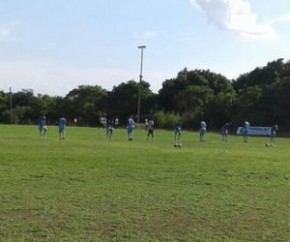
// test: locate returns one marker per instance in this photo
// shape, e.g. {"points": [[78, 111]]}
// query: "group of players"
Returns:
{"points": [[224, 131], [110, 124], [43, 127], [177, 133]]}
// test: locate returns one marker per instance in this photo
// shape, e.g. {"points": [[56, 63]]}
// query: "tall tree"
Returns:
{"points": [[261, 76], [124, 100], [85, 103], [280, 104], [193, 93]]}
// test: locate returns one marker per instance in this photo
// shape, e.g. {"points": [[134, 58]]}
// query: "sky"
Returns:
{"points": [[55, 46]]}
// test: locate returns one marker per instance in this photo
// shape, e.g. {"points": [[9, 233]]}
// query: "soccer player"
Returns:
{"points": [[177, 133], [225, 131], [273, 133], [116, 122], [103, 121], [245, 131], [202, 131], [42, 126], [61, 127], [109, 128], [146, 124], [130, 128], [150, 129]]}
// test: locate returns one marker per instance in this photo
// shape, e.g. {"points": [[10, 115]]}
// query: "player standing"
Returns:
{"points": [[177, 134], [202, 131], [150, 129], [245, 131], [225, 131], [273, 133], [130, 128], [109, 128], [61, 127], [42, 126]]}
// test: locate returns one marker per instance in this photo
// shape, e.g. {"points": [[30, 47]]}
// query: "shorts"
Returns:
{"points": [[202, 131], [129, 129]]}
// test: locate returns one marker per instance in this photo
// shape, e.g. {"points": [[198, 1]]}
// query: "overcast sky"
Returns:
{"points": [[53, 46]]}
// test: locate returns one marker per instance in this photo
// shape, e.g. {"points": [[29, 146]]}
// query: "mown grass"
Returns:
{"points": [[87, 188]]}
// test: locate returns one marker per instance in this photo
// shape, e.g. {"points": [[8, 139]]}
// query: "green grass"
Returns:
{"points": [[87, 188]]}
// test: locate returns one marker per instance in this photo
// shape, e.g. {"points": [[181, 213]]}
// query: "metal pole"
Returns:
{"points": [[10, 91], [140, 80]]}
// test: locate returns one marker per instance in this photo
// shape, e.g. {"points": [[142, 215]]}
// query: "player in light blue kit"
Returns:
{"points": [[42, 126], [130, 128], [61, 127], [202, 131], [245, 131], [177, 134]]}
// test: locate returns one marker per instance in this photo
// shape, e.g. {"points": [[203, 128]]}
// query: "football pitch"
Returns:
{"points": [[88, 188]]}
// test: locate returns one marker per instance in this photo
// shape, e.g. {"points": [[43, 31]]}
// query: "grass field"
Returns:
{"points": [[87, 188]]}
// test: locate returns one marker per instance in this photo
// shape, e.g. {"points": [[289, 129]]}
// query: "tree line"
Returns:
{"points": [[260, 96]]}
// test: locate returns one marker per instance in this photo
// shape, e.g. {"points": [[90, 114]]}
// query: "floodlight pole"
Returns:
{"points": [[142, 47], [10, 102]]}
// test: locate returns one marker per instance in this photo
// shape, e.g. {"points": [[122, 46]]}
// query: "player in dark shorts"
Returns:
{"points": [[273, 133], [109, 129], [225, 131], [150, 129], [177, 134]]}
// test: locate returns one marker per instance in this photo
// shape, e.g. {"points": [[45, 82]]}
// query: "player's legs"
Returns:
{"points": [[61, 133], [130, 133]]}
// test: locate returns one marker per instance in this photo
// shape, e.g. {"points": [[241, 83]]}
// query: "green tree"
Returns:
{"points": [[247, 103], [3, 105], [124, 100], [24, 103], [48, 106], [84, 103], [261, 76], [280, 104], [195, 94]]}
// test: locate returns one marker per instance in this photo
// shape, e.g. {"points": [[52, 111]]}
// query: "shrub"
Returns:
{"points": [[165, 120]]}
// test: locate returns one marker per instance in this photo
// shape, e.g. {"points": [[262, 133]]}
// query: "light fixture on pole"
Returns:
{"points": [[142, 47]]}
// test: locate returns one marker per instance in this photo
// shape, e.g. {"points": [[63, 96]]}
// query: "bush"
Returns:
{"points": [[165, 120]]}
